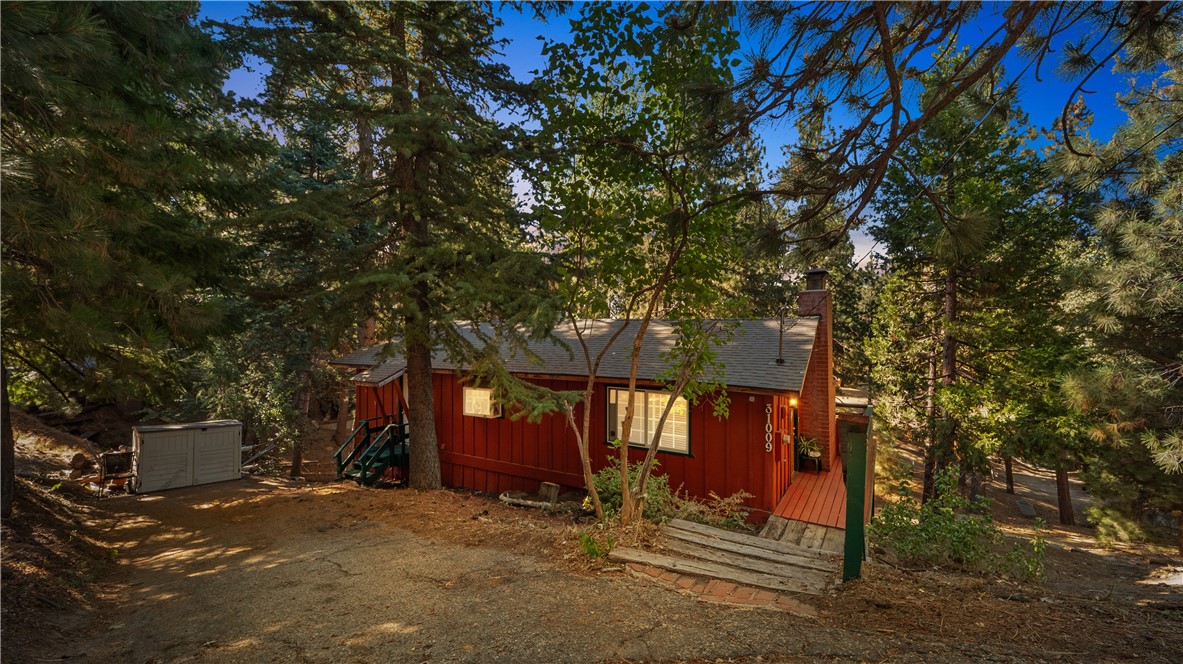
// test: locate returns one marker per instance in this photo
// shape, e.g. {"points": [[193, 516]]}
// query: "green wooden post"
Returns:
{"points": [[856, 491], [856, 503]]}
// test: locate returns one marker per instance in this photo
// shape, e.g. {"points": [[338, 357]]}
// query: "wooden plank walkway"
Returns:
{"points": [[818, 498], [747, 560]]}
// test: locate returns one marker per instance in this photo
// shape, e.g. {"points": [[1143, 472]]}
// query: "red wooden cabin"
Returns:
{"points": [[779, 377]]}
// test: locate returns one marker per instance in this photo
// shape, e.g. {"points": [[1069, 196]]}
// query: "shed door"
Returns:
{"points": [[216, 454], [165, 460]]}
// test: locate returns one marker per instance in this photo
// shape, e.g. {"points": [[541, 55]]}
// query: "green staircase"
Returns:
{"points": [[375, 446]]}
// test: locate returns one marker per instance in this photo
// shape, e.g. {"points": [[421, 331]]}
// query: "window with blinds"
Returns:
{"points": [[675, 435]]}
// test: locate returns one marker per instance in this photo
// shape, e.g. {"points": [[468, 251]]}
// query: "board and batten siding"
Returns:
{"points": [[502, 454]]}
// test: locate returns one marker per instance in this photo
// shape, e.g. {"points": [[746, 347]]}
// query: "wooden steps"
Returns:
{"points": [[809, 536], [742, 559]]}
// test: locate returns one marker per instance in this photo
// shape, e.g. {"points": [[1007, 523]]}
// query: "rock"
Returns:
{"points": [[81, 462]]}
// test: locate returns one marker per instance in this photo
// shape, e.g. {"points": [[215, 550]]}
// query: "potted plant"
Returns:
{"points": [[808, 449]]}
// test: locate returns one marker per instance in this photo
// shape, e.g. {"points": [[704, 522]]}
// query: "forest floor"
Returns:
{"points": [[276, 570]]}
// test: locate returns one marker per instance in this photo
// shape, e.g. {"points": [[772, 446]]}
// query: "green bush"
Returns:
{"points": [[719, 512], [943, 531], [1026, 563], [1114, 526], [659, 499]]}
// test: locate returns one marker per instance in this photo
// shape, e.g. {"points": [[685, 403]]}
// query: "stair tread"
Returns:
{"points": [[806, 583], [705, 533], [729, 552]]}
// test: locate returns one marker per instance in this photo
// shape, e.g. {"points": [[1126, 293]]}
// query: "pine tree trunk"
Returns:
{"points": [[7, 450], [1008, 463], [930, 444], [1179, 540], [424, 446], [1064, 498], [971, 483], [297, 461], [343, 430], [930, 476], [425, 460], [304, 404], [946, 445], [366, 165]]}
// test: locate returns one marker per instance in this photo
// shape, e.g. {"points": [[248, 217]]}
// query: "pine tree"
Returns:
{"points": [[971, 233], [416, 86], [866, 53], [123, 171], [291, 314], [1131, 291]]}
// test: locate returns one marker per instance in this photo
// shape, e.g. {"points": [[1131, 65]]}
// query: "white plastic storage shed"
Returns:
{"points": [[175, 455]]}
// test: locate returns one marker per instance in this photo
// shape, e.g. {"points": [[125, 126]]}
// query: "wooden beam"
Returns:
{"points": [[684, 542], [738, 538], [714, 571]]}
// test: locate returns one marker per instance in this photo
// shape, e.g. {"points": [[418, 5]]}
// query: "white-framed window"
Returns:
{"points": [[479, 402], [675, 435]]}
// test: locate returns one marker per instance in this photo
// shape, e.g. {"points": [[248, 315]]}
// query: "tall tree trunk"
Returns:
{"points": [[1008, 463], [424, 447], [343, 429], [1064, 498], [930, 444], [582, 442], [632, 506], [1179, 532], [304, 404], [7, 450], [297, 460], [425, 460], [946, 444]]}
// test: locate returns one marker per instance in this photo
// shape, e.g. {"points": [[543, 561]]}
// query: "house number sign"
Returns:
{"points": [[768, 428]]}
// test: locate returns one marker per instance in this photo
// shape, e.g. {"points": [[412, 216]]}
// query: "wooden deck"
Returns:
{"points": [[816, 498]]}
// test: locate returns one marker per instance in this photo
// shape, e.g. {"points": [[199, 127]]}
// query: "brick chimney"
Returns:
{"points": [[817, 411]]}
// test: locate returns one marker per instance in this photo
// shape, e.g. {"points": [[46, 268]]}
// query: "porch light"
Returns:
{"points": [[793, 401]]}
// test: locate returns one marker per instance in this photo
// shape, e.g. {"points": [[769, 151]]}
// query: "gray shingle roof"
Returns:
{"points": [[749, 358]]}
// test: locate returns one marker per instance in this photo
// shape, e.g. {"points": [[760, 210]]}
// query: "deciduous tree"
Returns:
{"points": [[640, 201]]}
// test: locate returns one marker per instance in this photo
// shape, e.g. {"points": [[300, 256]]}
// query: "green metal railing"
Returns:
{"points": [[372, 448]]}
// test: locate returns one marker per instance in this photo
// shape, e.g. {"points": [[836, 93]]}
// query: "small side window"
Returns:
{"points": [[479, 402]]}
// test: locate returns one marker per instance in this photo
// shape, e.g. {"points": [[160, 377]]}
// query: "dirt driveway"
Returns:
{"points": [[275, 571], [271, 570]]}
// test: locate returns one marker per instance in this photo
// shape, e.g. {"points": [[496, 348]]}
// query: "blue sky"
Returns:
{"points": [[1042, 100]]}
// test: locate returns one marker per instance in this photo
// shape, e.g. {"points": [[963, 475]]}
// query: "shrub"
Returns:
{"points": [[1027, 564], [942, 531], [1114, 526], [719, 512], [659, 499]]}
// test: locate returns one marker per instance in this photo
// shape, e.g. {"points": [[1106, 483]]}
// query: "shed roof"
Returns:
{"points": [[748, 359]]}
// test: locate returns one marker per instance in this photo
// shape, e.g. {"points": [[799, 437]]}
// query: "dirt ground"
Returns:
{"points": [[276, 570]]}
